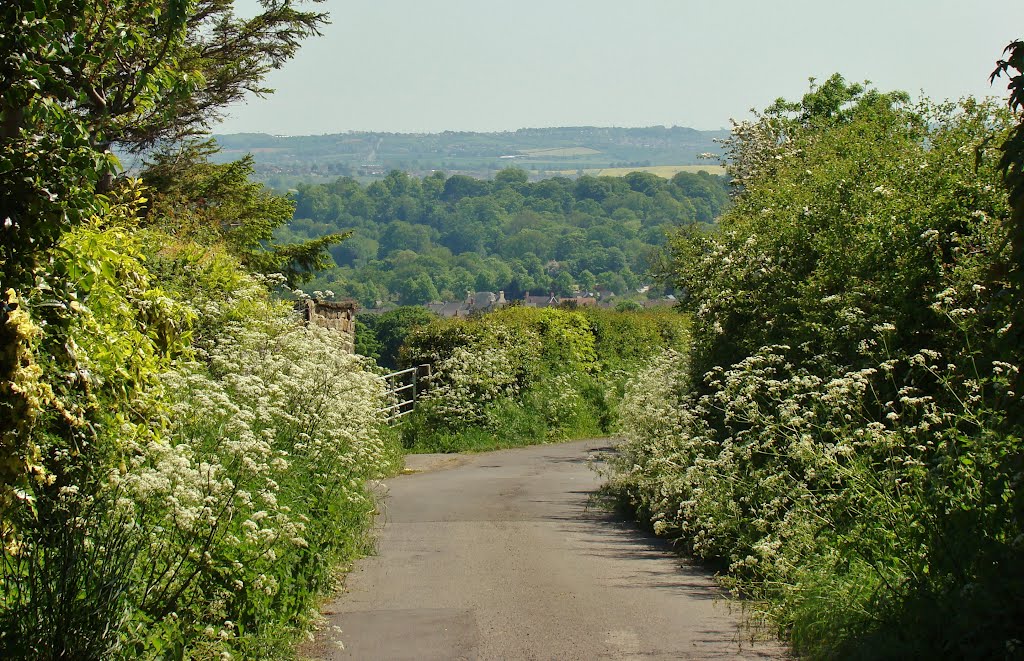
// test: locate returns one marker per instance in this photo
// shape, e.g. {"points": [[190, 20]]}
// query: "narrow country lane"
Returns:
{"points": [[499, 556]]}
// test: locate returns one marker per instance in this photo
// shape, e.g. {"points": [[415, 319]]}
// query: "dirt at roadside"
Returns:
{"points": [[425, 463]]}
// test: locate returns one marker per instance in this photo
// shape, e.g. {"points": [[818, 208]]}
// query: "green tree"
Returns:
{"points": [[222, 58], [385, 334], [1012, 165], [613, 282], [400, 235], [218, 202], [417, 289], [460, 186], [587, 281], [564, 284], [514, 178], [51, 136], [83, 76], [355, 250]]}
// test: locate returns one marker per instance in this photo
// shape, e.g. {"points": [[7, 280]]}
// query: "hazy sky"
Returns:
{"points": [[484, 65]]}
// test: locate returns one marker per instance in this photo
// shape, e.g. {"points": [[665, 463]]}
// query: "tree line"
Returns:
{"points": [[415, 240]]}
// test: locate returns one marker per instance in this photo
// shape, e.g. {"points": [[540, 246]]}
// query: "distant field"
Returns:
{"points": [[666, 171], [255, 150], [559, 151]]}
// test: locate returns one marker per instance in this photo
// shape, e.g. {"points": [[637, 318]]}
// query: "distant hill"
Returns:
{"points": [[283, 160]]}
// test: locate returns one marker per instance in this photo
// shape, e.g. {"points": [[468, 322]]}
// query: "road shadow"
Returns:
{"points": [[608, 532]]}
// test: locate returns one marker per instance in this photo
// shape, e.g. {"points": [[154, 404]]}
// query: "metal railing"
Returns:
{"points": [[402, 389]]}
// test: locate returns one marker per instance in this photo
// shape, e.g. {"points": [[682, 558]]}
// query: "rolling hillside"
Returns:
{"points": [[281, 161]]}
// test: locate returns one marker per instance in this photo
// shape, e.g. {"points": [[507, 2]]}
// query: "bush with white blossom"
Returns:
{"points": [[840, 440], [211, 477], [527, 375]]}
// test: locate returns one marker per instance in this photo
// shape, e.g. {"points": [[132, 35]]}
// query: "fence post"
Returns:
{"points": [[395, 385]]}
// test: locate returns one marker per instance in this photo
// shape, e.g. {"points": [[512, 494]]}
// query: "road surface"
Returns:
{"points": [[502, 556]]}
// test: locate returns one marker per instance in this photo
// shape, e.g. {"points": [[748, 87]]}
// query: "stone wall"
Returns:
{"points": [[336, 315]]}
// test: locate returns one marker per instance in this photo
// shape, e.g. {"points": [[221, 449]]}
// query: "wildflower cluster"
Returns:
{"points": [[841, 436], [206, 473], [277, 427], [465, 382]]}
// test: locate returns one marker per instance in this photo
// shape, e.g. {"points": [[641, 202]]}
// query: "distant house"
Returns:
{"points": [[549, 301], [552, 301], [453, 309], [481, 301]]}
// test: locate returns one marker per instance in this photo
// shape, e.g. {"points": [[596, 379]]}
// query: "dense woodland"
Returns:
{"points": [[420, 240]]}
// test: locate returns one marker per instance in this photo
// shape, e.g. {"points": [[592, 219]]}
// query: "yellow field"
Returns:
{"points": [[558, 151], [666, 171]]}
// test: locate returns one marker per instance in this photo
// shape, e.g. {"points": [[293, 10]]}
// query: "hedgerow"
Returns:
{"points": [[181, 461], [528, 375], [840, 440], [195, 467]]}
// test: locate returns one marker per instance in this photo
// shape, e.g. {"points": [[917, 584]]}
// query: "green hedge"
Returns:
{"points": [[198, 458], [528, 375], [845, 438]]}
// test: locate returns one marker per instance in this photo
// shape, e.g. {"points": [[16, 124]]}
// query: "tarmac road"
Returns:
{"points": [[502, 556]]}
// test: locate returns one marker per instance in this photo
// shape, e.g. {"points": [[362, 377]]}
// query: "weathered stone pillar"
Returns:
{"points": [[336, 315]]}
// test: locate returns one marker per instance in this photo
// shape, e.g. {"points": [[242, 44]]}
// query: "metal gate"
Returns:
{"points": [[402, 389]]}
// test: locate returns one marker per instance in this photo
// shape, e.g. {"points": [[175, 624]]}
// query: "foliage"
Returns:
{"points": [[265, 465], [49, 167], [187, 499], [212, 203], [80, 76], [528, 375], [182, 464], [94, 369], [381, 336], [140, 73], [1011, 163], [841, 437], [85, 341], [420, 240]]}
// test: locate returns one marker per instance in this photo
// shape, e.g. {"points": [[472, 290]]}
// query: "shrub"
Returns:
{"points": [[839, 438], [528, 375], [196, 469], [265, 463]]}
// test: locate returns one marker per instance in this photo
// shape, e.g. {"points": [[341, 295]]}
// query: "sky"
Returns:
{"points": [[483, 65]]}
